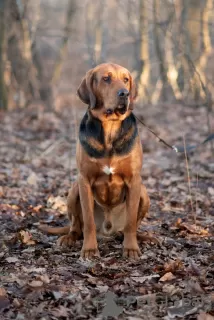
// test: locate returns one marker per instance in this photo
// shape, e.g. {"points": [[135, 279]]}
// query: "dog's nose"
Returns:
{"points": [[123, 93]]}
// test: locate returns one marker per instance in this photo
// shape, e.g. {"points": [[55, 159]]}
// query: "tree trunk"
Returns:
{"points": [[143, 76], [19, 53], [64, 45], [101, 33], [3, 89], [159, 50], [89, 27]]}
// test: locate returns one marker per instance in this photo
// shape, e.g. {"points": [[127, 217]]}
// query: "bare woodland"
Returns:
{"points": [[46, 46]]}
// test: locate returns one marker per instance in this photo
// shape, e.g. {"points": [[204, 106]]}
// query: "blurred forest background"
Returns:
{"points": [[47, 45]]}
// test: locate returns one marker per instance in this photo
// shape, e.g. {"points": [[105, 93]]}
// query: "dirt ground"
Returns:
{"points": [[172, 280]]}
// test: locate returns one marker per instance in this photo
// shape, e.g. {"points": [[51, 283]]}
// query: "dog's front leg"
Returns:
{"points": [[130, 245], [89, 248]]}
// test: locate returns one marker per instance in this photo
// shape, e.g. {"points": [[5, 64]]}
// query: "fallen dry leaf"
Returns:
{"points": [[211, 191], [12, 259], [4, 301], [36, 284], [167, 277], [173, 266], [26, 238], [192, 228], [145, 278], [44, 278], [58, 203], [57, 294], [182, 311], [194, 286], [16, 303], [61, 311], [3, 292], [204, 316], [32, 179], [1, 191], [37, 208]]}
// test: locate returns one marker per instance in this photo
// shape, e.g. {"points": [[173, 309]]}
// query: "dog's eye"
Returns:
{"points": [[106, 79], [126, 80]]}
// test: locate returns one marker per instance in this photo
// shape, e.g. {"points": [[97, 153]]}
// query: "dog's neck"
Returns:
{"points": [[107, 138], [111, 130]]}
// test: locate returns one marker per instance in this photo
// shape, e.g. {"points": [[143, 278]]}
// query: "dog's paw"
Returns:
{"points": [[66, 241], [89, 253], [132, 253]]}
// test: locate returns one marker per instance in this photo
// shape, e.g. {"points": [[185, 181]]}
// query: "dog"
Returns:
{"points": [[108, 197]]}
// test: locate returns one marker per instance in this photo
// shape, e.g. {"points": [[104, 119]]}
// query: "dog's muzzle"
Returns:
{"points": [[122, 108]]}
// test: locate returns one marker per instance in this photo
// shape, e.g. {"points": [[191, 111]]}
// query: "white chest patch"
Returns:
{"points": [[108, 170]]}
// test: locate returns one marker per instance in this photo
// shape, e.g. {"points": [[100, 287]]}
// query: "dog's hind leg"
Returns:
{"points": [[75, 217], [144, 204], [143, 209]]}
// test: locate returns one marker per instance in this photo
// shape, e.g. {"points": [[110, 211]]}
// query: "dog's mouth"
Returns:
{"points": [[121, 109]]}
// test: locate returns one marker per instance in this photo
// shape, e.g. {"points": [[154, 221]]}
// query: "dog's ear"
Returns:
{"points": [[133, 92], [85, 90]]}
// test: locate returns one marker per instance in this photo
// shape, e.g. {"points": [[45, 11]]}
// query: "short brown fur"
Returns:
{"points": [[101, 203]]}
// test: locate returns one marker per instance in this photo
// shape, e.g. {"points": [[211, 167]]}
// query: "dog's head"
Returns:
{"points": [[109, 89]]}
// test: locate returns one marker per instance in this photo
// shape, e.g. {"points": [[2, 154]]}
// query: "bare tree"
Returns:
{"points": [[143, 75], [64, 44], [97, 31], [19, 52], [160, 52], [160, 41], [3, 90]]}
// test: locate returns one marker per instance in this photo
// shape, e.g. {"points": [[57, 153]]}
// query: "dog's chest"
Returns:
{"points": [[108, 170], [99, 142], [108, 187]]}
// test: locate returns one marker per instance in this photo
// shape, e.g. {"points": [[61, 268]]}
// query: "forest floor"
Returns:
{"points": [[172, 280]]}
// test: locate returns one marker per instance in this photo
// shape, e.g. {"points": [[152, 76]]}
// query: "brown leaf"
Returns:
{"points": [[37, 208], [57, 203], [4, 301], [35, 284], [16, 303], [191, 228], [1, 191], [26, 238], [167, 277], [204, 316], [44, 278], [173, 266], [2, 292]]}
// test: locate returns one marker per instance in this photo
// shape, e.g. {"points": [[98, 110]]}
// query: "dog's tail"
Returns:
{"points": [[56, 230]]}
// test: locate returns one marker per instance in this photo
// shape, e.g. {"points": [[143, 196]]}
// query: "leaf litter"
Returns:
{"points": [[174, 279]]}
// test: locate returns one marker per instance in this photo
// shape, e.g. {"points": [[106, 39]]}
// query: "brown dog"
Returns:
{"points": [[108, 196]]}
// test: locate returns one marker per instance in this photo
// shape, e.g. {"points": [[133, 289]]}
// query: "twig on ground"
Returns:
{"points": [[189, 181], [196, 201]]}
